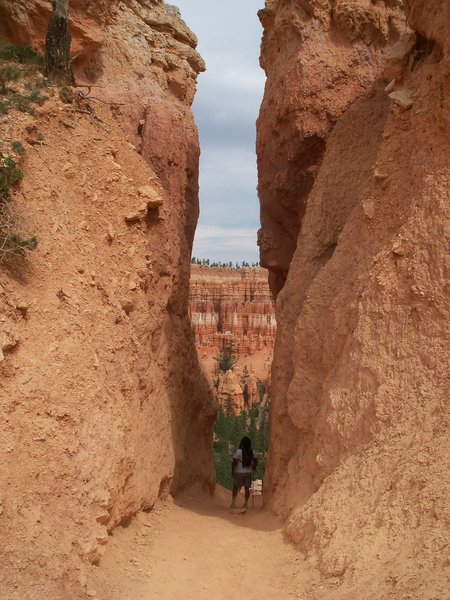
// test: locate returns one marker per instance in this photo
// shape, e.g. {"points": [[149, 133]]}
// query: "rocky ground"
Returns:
{"points": [[194, 548]]}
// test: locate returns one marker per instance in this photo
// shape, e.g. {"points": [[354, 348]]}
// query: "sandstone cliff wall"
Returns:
{"points": [[319, 58], [105, 408], [358, 459]]}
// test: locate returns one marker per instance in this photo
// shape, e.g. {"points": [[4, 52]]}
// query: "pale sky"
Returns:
{"points": [[226, 108]]}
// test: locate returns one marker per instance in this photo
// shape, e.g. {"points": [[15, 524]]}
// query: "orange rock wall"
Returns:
{"points": [[359, 463], [323, 56], [105, 407], [231, 307]]}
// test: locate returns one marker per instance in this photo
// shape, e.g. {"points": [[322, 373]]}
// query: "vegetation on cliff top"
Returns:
{"points": [[206, 262]]}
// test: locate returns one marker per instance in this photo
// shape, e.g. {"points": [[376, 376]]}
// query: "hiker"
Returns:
{"points": [[244, 462]]}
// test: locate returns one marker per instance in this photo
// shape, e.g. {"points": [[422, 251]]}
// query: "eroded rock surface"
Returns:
{"points": [[359, 461], [105, 408], [319, 58]]}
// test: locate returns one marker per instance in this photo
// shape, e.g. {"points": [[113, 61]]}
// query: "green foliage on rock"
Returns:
{"points": [[12, 244], [8, 73], [261, 387], [24, 102], [21, 82], [20, 64], [66, 94], [10, 174], [226, 360], [18, 147], [23, 55]]}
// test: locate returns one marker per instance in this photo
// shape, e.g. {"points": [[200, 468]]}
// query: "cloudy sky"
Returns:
{"points": [[226, 108]]}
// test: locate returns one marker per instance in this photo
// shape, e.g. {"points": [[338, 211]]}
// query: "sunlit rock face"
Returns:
{"points": [[358, 456], [107, 406]]}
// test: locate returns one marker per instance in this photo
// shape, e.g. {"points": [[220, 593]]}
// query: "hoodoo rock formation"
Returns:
{"points": [[231, 308], [104, 405], [354, 141]]}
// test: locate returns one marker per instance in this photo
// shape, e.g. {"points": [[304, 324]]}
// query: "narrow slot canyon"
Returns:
{"points": [[109, 333]]}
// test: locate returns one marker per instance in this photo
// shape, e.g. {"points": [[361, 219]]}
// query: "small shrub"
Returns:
{"points": [[24, 103], [37, 85], [24, 55], [21, 103], [12, 244], [19, 246], [8, 74], [37, 98], [10, 174], [4, 105], [17, 147]]}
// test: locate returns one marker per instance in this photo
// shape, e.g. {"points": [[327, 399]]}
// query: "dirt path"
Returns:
{"points": [[195, 548]]}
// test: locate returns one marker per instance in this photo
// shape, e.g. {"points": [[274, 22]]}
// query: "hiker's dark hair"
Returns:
{"points": [[247, 452]]}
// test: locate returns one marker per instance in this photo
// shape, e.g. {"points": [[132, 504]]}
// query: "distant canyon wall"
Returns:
{"points": [[106, 408], [354, 182], [231, 308]]}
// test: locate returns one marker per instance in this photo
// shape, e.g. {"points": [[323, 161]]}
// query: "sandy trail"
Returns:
{"points": [[195, 548]]}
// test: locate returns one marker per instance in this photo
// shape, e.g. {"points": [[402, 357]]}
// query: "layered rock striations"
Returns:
{"points": [[105, 407], [231, 308], [359, 462]]}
